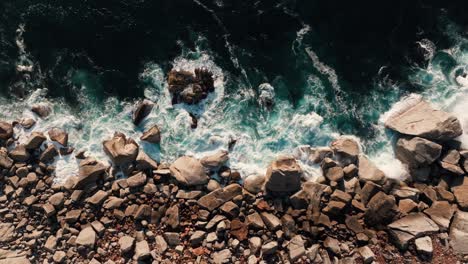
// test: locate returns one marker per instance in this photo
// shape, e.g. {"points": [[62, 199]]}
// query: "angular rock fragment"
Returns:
{"points": [[218, 197], [369, 172], [216, 160], [410, 227], [152, 135], [58, 135], [120, 149], [459, 233], [283, 176], [189, 171], [142, 110]]}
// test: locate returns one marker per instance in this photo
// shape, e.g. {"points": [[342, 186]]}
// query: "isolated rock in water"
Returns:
{"points": [[58, 135], [189, 171], [417, 152], [152, 135], [369, 172], [142, 110], [459, 233], [411, 226], [27, 122], [346, 150], [5, 161], [120, 149], [254, 183], [35, 140], [188, 88], [48, 154], [42, 110], [424, 121], [216, 160], [6, 130], [266, 95], [283, 175]]}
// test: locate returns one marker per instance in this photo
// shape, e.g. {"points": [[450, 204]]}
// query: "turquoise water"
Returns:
{"points": [[235, 111]]}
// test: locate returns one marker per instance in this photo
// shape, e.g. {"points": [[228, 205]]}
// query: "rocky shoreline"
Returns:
{"points": [[180, 213]]}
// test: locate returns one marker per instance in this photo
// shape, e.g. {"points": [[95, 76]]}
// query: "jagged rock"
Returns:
{"points": [[334, 208], [86, 238], [218, 197], [459, 233], [120, 149], [6, 130], [317, 155], [113, 202], [406, 193], [424, 246], [283, 176], [20, 153], [7, 232], [296, 248], [271, 221], [89, 171], [239, 229], [35, 140], [346, 150], [145, 162], [230, 208], [352, 222], [197, 238], [142, 110], [407, 206], [254, 183], [216, 160], [334, 174], [126, 244], [369, 172], [311, 193], [214, 221], [42, 110], [366, 254], [51, 243], [142, 250], [333, 245], [381, 209], [5, 161], [160, 244], [190, 89], [16, 257], [269, 248], [172, 217], [461, 195], [48, 154], [58, 135], [255, 221], [422, 120], [137, 180], [152, 135], [441, 213], [189, 171], [410, 227], [417, 152], [188, 195]]}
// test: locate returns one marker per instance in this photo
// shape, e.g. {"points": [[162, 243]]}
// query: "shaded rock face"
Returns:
{"points": [[254, 183], [42, 110], [189, 171], [6, 130], [20, 153], [152, 135], [369, 172], [5, 161], [283, 175], [120, 149], [381, 209], [346, 150], [422, 120], [188, 88], [58, 135], [142, 110], [417, 152], [35, 140], [410, 227], [89, 172]]}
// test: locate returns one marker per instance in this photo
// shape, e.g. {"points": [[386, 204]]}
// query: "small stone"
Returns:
{"points": [[424, 246], [59, 257], [86, 238], [142, 250], [367, 254], [255, 244], [272, 222], [333, 245], [296, 248], [230, 208], [160, 244], [126, 244], [213, 185], [197, 238], [223, 256], [255, 220], [172, 238], [269, 248], [51, 244]]}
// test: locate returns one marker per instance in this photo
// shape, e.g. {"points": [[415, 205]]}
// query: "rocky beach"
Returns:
{"points": [[130, 208]]}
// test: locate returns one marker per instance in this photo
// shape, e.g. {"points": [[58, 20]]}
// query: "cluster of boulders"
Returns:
{"points": [[202, 211], [190, 88]]}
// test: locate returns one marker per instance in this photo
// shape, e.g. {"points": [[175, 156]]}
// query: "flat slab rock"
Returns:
{"points": [[424, 121], [459, 233], [410, 227], [218, 197]]}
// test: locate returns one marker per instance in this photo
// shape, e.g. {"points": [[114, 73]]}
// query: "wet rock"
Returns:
{"points": [[58, 135], [254, 183], [20, 153], [89, 172], [188, 88], [48, 154], [42, 110], [86, 238], [381, 209], [6, 130], [137, 180], [142, 110], [218, 197], [216, 160], [424, 247], [410, 227], [189, 171], [5, 161], [296, 248], [142, 251], [152, 135], [346, 150], [422, 120], [441, 213], [35, 140], [417, 152], [120, 149], [283, 176], [369, 172], [126, 244], [459, 233]]}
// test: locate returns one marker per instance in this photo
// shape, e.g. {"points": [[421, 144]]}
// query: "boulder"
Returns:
{"points": [[5, 161], [411, 227], [218, 197], [86, 238], [137, 180], [35, 140], [254, 183], [421, 120], [441, 213], [20, 153], [142, 110], [152, 135], [216, 160], [120, 149], [346, 150], [459, 233], [188, 88], [417, 152], [58, 135], [42, 110], [89, 172], [6, 130], [381, 209], [334, 174], [461, 195], [145, 162], [189, 171], [283, 176], [369, 172]]}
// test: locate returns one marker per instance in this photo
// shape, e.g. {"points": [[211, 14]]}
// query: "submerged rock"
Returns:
{"points": [[42, 110], [142, 110], [189, 171], [120, 149], [152, 135], [422, 120], [283, 175], [58, 135], [6, 130]]}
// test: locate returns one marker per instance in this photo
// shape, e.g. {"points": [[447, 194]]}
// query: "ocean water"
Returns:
{"points": [[236, 110]]}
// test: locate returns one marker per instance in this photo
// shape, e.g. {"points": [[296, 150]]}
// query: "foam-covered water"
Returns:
{"points": [[261, 120]]}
